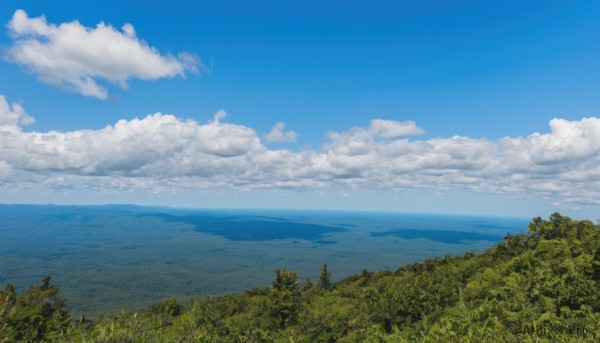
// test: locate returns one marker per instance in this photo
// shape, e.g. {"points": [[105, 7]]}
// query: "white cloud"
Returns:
{"points": [[220, 115], [392, 128], [13, 115], [278, 135], [75, 57], [163, 154]]}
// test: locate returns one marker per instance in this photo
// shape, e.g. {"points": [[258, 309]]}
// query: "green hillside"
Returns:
{"points": [[543, 286]]}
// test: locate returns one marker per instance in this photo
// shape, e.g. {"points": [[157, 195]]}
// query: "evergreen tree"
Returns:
{"points": [[324, 278], [308, 284], [36, 315], [285, 297]]}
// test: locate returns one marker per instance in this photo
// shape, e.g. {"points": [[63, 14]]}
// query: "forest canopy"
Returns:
{"points": [[543, 286]]}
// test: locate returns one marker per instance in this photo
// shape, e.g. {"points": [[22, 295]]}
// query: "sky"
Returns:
{"points": [[475, 107]]}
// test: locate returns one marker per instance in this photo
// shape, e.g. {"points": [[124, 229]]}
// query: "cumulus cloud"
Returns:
{"points": [[392, 128], [162, 153], [278, 135], [13, 115], [220, 115], [76, 57]]}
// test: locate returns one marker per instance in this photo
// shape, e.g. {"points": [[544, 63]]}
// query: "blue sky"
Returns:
{"points": [[493, 73]]}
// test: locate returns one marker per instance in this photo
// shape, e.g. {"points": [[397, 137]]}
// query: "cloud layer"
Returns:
{"points": [[13, 115], [278, 135], [75, 57], [163, 153]]}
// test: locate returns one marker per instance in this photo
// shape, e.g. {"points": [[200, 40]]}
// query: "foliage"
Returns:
{"points": [[285, 297], [543, 286], [324, 278], [37, 314]]}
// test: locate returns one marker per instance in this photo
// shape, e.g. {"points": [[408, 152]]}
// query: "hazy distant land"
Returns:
{"points": [[108, 258]]}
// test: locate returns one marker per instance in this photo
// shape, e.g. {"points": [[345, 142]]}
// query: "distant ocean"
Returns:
{"points": [[112, 258]]}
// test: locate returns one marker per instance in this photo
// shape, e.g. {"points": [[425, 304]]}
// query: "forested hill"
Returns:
{"points": [[543, 286]]}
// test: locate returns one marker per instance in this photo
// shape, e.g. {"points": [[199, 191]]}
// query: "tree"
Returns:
{"points": [[285, 297], [596, 266], [36, 315], [308, 285], [8, 297], [324, 278]]}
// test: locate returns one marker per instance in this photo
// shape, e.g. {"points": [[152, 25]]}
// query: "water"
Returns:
{"points": [[112, 258]]}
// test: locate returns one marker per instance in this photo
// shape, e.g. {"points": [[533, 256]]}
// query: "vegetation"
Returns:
{"points": [[543, 286], [325, 278], [36, 315]]}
